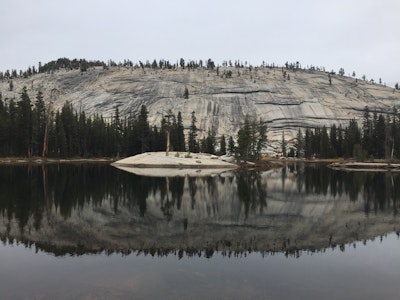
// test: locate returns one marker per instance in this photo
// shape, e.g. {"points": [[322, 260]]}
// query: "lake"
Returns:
{"points": [[89, 231]]}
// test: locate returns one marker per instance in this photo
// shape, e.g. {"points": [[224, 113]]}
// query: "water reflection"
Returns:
{"points": [[76, 209]]}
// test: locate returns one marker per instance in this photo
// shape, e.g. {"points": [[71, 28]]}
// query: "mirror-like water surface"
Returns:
{"points": [[93, 231]]}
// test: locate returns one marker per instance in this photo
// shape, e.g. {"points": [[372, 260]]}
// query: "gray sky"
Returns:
{"points": [[358, 35]]}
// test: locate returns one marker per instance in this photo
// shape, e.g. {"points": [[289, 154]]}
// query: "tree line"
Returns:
{"points": [[24, 124], [83, 65], [30, 128], [377, 138]]}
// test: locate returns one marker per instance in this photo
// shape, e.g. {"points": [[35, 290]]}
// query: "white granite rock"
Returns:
{"points": [[306, 100]]}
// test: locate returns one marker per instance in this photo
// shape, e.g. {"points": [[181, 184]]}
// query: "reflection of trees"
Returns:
{"points": [[167, 205], [176, 187], [21, 194], [212, 186], [380, 192], [251, 191], [378, 189], [192, 190], [315, 179], [33, 194], [318, 179], [30, 191], [172, 193]]}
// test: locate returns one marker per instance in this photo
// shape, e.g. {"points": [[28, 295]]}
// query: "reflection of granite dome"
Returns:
{"points": [[237, 211], [305, 100]]}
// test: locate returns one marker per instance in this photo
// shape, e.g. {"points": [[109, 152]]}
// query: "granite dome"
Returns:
{"points": [[286, 99]]}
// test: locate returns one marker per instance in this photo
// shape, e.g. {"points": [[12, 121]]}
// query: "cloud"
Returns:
{"points": [[350, 34]]}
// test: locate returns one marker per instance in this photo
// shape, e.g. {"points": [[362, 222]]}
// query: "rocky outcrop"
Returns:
{"points": [[305, 100], [174, 160]]}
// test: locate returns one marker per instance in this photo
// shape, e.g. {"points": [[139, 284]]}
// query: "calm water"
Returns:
{"points": [[302, 232]]}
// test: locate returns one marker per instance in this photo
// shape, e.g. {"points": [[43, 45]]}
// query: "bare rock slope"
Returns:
{"points": [[305, 100]]}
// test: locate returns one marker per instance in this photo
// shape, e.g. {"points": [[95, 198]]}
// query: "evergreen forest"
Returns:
{"points": [[30, 129]]}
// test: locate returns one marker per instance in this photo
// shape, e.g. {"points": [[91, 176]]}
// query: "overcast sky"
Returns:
{"points": [[358, 35]]}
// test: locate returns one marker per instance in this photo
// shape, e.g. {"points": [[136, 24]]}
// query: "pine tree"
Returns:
{"points": [[39, 120], [60, 145], [333, 140], [231, 146], [261, 139], [340, 141], [186, 93], [83, 135], [192, 143], [367, 131], [180, 136], [143, 128], [308, 137], [396, 133], [380, 136], [252, 137], [210, 64], [24, 124], [4, 118], [299, 144], [117, 132], [222, 145], [352, 137], [210, 141], [70, 127], [325, 150], [244, 140], [283, 145]]}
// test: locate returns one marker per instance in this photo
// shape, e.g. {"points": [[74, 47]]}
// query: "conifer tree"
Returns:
{"points": [[39, 123], [231, 146], [24, 124], [143, 128], [222, 145], [299, 144], [3, 128], [352, 137], [192, 143], [252, 137], [180, 136], [186, 93], [283, 145]]}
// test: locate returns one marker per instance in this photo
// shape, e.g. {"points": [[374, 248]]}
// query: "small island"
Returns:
{"points": [[175, 164]]}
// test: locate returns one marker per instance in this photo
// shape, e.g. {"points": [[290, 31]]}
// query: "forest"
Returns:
{"points": [[377, 138], [25, 124], [30, 129], [83, 65]]}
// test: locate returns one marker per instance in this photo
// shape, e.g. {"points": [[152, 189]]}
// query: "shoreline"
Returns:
{"points": [[39, 161], [264, 162], [366, 167]]}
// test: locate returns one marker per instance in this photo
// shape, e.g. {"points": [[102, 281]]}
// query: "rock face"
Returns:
{"points": [[305, 100]]}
